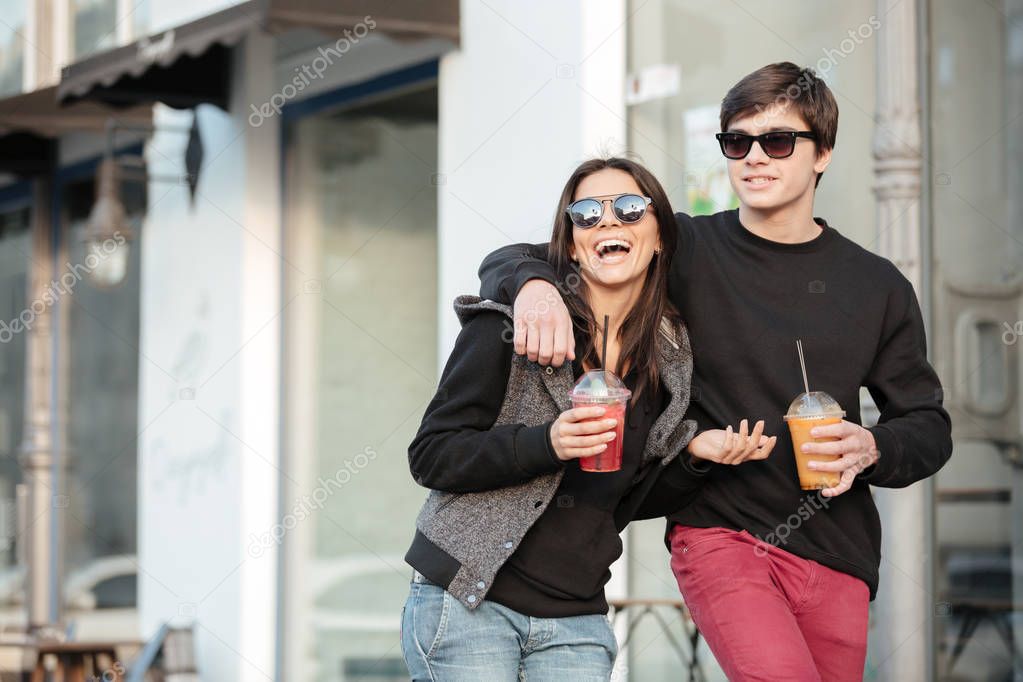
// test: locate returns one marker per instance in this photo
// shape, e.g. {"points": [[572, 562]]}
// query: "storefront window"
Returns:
{"points": [[976, 183], [12, 45], [98, 400], [360, 370], [15, 255], [95, 25], [140, 19]]}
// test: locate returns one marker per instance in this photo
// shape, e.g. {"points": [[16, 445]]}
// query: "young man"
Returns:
{"points": [[777, 579]]}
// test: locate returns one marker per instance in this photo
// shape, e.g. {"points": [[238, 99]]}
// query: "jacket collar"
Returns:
{"points": [[674, 365]]}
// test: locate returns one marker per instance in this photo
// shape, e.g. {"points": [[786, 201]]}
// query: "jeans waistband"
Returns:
{"points": [[421, 579]]}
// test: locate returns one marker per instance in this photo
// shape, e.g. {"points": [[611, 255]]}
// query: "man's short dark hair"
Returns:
{"points": [[777, 85]]}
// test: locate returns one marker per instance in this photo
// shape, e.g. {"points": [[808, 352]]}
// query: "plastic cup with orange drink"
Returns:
{"points": [[807, 411]]}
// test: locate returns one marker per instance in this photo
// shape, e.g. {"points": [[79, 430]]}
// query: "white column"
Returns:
{"points": [[901, 634], [62, 42], [260, 334], [515, 121], [1014, 177], [125, 21], [209, 381]]}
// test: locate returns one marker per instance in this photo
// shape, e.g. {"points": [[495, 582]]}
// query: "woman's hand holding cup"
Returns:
{"points": [[580, 432]]}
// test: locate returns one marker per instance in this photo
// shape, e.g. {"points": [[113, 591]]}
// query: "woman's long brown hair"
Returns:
{"points": [[638, 333]]}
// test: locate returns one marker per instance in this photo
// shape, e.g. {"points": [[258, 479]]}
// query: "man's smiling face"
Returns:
{"points": [[765, 184]]}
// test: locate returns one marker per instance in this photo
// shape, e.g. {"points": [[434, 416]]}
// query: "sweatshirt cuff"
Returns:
{"points": [[887, 457], [697, 467], [682, 475], [534, 452], [529, 270]]}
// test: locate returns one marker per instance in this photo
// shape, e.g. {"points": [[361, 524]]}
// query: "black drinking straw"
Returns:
{"points": [[603, 354]]}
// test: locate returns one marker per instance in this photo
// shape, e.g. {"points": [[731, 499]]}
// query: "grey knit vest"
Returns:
{"points": [[481, 530]]}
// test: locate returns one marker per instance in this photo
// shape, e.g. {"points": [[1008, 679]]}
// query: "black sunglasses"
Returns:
{"points": [[628, 208], [777, 145]]}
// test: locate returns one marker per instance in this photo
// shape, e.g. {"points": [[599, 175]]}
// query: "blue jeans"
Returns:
{"points": [[442, 640]]}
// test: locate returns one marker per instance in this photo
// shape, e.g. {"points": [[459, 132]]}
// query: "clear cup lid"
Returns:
{"points": [[599, 384], [814, 404]]}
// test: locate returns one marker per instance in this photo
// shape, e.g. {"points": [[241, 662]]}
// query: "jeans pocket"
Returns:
{"points": [[612, 640], [429, 618], [690, 537]]}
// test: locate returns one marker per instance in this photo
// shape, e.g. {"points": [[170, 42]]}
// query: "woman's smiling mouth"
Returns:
{"points": [[612, 250]]}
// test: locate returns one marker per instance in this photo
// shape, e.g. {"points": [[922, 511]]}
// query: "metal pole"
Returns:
{"points": [[36, 456]]}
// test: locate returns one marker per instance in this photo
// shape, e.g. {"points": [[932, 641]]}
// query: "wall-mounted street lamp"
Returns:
{"points": [[108, 233]]}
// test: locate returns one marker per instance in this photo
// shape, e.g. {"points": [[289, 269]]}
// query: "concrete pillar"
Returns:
{"points": [[209, 381], [522, 117], [901, 636], [1014, 178]]}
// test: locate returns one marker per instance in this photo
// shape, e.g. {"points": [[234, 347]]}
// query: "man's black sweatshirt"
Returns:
{"points": [[746, 300]]}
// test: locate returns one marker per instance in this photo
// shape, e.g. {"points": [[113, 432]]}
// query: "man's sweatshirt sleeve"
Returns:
{"points": [[504, 271], [676, 485], [458, 448], [913, 434]]}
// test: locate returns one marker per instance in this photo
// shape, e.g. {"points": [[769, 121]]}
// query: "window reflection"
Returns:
{"points": [[95, 26], [12, 45], [362, 331], [100, 405], [975, 78], [15, 250]]}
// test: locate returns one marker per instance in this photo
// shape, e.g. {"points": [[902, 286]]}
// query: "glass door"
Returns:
{"points": [[97, 413], [975, 79], [16, 314], [359, 370]]}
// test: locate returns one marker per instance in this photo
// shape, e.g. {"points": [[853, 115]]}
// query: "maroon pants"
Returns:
{"points": [[768, 614]]}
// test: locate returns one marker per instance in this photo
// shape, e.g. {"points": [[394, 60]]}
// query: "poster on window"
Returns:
{"points": [[706, 177]]}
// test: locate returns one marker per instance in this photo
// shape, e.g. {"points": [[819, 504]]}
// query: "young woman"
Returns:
{"points": [[514, 544]]}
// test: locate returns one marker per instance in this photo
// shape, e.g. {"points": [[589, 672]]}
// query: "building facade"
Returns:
{"points": [[205, 412]]}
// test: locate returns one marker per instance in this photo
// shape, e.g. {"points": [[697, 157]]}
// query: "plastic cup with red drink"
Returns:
{"points": [[601, 388]]}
